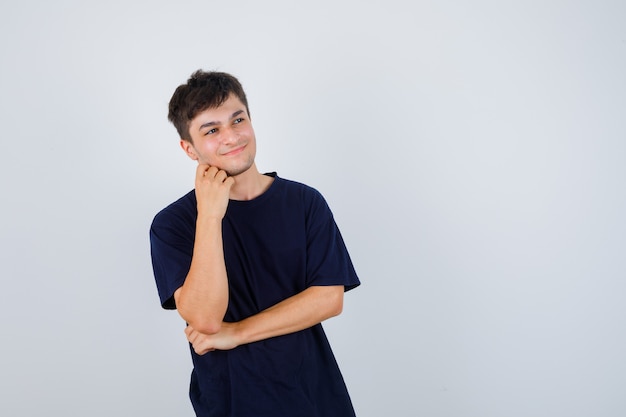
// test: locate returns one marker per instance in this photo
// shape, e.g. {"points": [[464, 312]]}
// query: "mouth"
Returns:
{"points": [[234, 151]]}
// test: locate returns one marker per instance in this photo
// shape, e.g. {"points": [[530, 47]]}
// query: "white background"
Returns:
{"points": [[472, 152]]}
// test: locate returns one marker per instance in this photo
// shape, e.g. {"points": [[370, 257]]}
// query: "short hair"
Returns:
{"points": [[203, 90]]}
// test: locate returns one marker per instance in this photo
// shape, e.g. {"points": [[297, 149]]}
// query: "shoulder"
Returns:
{"points": [[182, 210], [300, 189], [308, 198]]}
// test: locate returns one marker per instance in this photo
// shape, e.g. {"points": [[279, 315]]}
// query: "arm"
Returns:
{"points": [[299, 312], [203, 298]]}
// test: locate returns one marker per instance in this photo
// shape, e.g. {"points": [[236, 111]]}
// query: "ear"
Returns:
{"points": [[189, 149]]}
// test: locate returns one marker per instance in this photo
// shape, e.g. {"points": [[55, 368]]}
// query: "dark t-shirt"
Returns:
{"points": [[275, 246]]}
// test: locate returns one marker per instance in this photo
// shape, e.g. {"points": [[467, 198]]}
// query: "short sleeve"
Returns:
{"points": [[171, 248], [328, 261]]}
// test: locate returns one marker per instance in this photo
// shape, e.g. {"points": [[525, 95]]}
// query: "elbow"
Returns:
{"points": [[337, 308], [335, 305], [203, 325], [200, 319], [207, 327], [200, 323]]}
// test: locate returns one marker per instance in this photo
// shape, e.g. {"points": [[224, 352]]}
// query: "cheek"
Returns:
{"points": [[207, 148]]}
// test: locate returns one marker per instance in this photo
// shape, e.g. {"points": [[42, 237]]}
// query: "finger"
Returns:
{"points": [[229, 181], [221, 175], [201, 170], [192, 338], [211, 172], [202, 348], [200, 351]]}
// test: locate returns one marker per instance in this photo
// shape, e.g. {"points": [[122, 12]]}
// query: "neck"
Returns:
{"points": [[249, 184]]}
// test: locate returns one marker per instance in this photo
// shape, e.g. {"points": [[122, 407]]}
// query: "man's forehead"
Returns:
{"points": [[220, 114]]}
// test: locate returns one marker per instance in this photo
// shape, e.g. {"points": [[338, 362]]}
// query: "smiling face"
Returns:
{"points": [[222, 137]]}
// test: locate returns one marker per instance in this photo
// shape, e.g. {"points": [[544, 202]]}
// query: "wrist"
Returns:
{"points": [[209, 218], [239, 333]]}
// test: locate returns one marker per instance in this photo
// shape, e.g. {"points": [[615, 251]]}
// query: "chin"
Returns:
{"points": [[234, 171]]}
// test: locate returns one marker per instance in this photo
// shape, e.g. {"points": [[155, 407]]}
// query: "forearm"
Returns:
{"points": [[203, 298], [299, 312]]}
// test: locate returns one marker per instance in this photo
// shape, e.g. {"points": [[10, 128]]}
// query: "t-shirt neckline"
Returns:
{"points": [[259, 199]]}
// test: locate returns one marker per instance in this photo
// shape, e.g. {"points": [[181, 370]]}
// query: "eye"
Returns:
{"points": [[238, 120], [210, 132]]}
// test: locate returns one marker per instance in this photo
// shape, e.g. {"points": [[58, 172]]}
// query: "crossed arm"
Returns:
{"points": [[299, 312]]}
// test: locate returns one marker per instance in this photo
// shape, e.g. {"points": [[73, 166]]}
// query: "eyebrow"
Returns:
{"points": [[209, 124]]}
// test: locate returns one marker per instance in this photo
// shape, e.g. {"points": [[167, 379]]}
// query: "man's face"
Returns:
{"points": [[223, 137]]}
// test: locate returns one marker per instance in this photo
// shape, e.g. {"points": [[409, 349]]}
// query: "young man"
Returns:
{"points": [[253, 263]]}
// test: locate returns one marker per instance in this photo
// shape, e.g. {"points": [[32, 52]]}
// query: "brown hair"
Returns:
{"points": [[203, 90]]}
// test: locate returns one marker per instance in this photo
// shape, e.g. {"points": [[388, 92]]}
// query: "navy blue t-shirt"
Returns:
{"points": [[275, 246]]}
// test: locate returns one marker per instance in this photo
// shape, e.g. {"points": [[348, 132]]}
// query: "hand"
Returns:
{"points": [[212, 190], [202, 343]]}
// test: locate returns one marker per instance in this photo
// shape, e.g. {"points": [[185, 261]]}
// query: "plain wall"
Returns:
{"points": [[472, 152]]}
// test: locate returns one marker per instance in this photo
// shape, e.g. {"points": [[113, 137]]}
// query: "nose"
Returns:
{"points": [[229, 135]]}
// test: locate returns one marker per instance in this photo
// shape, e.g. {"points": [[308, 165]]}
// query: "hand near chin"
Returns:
{"points": [[212, 190], [202, 343]]}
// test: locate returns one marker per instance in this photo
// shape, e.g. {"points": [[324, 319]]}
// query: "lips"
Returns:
{"points": [[234, 151]]}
